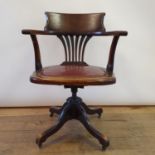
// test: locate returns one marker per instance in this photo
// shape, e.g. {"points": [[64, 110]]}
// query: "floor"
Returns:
{"points": [[131, 131]]}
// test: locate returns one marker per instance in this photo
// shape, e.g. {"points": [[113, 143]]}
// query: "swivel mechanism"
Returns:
{"points": [[74, 108]]}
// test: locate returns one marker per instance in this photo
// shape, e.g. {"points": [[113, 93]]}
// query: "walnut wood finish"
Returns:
{"points": [[75, 23], [94, 33], [74, 46], [74, 31], [38, 64], [99, 111], [74, 108], [73, 75], [115, 34]]}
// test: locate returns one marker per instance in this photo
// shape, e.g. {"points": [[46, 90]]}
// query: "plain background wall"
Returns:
{"points": [[135, 55]]}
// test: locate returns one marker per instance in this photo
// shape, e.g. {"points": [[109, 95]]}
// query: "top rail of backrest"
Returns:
{"points": [[75, 23]]}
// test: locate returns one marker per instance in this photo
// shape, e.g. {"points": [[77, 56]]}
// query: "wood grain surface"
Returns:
{"points": [[131, 132]]}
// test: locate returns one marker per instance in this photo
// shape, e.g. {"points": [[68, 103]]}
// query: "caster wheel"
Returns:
{"points": [[51, 114], [38, 142], [105, 145], [100, 113]]}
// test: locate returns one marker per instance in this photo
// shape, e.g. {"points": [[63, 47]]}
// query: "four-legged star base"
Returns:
{"points": [[74, 108]]}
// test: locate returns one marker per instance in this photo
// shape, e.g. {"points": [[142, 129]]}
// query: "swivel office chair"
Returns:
{"points": [[74, 31]]}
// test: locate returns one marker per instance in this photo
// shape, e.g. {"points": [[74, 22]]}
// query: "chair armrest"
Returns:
{"points": [[116, 35], [109, 33], [98, 33], [35, 32]]}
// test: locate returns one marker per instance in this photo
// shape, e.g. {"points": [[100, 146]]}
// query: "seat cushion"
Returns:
{"points": [[72, 75]]}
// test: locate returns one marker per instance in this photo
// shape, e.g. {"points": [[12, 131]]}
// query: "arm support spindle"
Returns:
{"points": [[38, 65], [110, 65]]}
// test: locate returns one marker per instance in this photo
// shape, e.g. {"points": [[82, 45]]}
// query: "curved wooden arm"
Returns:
{"points": [[115, 34], [38, 65], [98, 33], [110, 65], [36, 32], [111, 33]]}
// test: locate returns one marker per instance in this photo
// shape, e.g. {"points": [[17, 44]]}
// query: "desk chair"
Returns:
{"points": [[74, 31]]}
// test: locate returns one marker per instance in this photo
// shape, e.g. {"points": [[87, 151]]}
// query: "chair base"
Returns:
{"points": [[74, 108]]}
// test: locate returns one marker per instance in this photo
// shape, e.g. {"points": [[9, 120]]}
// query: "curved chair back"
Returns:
{"points": [[74, 31], [75, 23]]}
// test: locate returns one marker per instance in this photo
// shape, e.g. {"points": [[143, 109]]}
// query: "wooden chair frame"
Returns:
{"points": [[74, 107]]}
